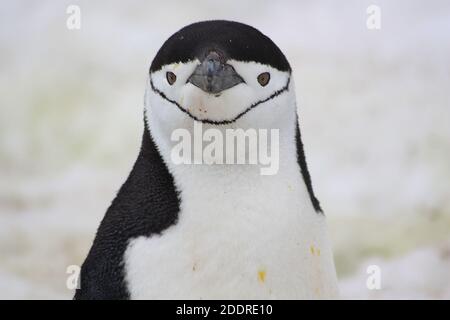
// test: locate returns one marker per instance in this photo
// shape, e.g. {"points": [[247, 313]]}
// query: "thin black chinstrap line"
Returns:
{"points": [[273, 95]]}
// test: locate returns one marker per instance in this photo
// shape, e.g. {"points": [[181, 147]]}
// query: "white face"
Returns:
{"points": [[251, 103]]}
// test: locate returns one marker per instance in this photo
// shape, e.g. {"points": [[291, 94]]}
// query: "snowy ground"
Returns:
{"points": [[374, 104]]}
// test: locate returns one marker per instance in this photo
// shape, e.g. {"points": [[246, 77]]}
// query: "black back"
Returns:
{"points": [[233, 39], [146, 204]]}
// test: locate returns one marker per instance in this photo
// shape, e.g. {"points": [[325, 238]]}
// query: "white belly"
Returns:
{"points": [[239, 235]]}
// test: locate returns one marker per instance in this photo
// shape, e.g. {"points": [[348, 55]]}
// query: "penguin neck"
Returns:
{"points": [[240, 145], [210, 179]]}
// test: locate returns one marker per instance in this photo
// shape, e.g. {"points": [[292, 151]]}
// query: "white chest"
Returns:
{"points": [[239, 235]]}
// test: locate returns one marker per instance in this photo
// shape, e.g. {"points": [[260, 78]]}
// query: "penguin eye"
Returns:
{"points": [[171, 77], [264, 78]]}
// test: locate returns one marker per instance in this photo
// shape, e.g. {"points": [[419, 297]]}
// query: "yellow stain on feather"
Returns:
{"points": [[262, 276], [314, 251]]}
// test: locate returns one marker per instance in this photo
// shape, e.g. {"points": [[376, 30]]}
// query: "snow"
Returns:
{"points": [[421, 274]]}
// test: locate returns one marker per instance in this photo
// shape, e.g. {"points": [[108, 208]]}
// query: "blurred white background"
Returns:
{"points": [[375, 116]]}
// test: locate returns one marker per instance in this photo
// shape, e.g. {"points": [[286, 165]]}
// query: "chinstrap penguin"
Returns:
{"points": [[194, 231]]}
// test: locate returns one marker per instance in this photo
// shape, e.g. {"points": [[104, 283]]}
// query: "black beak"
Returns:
{"points": [[213, 76]]}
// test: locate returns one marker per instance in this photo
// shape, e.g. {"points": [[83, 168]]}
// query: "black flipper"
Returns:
{"points": [[146, 204], [304, 168]]}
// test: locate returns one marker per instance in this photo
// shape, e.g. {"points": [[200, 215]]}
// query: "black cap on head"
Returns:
{"points": [[233, 40]]}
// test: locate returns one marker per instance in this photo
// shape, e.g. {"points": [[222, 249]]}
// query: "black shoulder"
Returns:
{"points": [[146, 204], [236, 40], [304, 169]]}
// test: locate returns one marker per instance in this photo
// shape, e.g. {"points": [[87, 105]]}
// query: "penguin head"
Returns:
{"points": [[219, 72]]}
